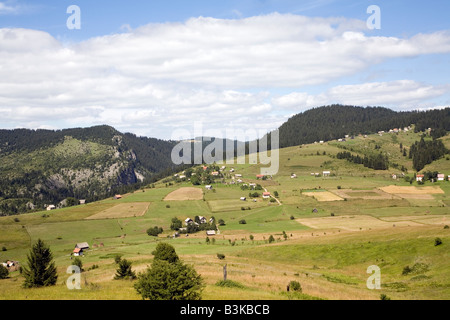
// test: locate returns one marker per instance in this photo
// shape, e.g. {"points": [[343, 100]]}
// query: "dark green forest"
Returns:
{"points": [[335, 121]]}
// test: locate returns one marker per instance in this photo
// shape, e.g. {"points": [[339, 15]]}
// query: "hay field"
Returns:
{"points": [[123, 210], [323, 196], [374, 194], [352, 223], [186, 193], [411, 190]]}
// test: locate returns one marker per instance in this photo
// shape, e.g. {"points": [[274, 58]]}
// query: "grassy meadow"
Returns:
{"points": [[325, 244]]}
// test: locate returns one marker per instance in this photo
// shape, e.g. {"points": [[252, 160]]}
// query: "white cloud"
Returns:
{"points": [[222, 72], [401, 94]]}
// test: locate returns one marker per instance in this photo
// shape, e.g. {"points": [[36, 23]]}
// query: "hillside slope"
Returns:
{"points": [[44, 167]]}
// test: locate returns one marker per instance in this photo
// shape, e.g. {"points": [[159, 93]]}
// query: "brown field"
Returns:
{"points": [[183, 194], [353, 223], [374, 194], [323, 196], [432, 219], [123, 210], [412, 190]]}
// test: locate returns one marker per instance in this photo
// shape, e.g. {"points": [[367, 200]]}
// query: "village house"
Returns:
{"points": [[326, 173], [419, 177], [117, 197], [266, 195], [11, 265], [215, 173], [441, 177], [80, 248], [238, 175], [51, 207], [210, 233], [394, 176], [243, 199], [202, 219], [293, 176], [259, 176], [188, 221], [83, 201], [208, 187]]}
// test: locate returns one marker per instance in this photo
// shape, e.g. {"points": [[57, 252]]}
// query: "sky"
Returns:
{"points": [[163, 68]]}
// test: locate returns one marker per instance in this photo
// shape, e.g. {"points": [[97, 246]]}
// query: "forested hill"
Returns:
{"points": [[43, 167], [335, 121]]}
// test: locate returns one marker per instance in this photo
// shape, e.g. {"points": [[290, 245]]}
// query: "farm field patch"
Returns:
{"points": [[185, 193], [123, 210]]}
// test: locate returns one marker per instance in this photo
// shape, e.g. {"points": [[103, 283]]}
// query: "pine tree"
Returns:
{"points": [[41, 271], [124, 271], [168, 278]]}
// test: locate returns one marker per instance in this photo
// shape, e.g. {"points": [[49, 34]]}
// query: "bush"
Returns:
{"points": [[4, 272], [384, 297], [242, 221], [437, 241], [271, 239], [155, 231], [446, 227], [117, 258], [229, 284], [295, 286], [221, 256], [77, 262]]}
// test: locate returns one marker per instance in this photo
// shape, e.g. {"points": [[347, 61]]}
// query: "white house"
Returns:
{"points": [[326, 173], [208, 187], [210, 233], [419, 177], [266, 195], [202, 219], [188, 221], [51, 207], [441, 177], [243, 198]]}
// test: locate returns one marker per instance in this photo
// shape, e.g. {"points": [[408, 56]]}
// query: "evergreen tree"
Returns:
{"points": [[168, 278], [41, 271], [124, 270]]}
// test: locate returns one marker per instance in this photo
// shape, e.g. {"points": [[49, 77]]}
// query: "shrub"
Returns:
{"points": [[271, 239], [437, 241], [221, 256], [117, 258], [155, 231], [446, 226], [4, 272], [295, 286], [229, 284], [384, 297], [77, 262], [242, 221]]}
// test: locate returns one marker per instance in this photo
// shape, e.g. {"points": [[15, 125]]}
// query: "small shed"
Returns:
{"points": [[243, 198], [210, 233], [117, 197]]}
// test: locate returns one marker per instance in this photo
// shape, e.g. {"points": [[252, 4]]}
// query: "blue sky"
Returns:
{"points": [[152, 67]]}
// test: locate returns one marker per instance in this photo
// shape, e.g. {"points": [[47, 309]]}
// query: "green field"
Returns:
{"points": [[330, 262]]}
